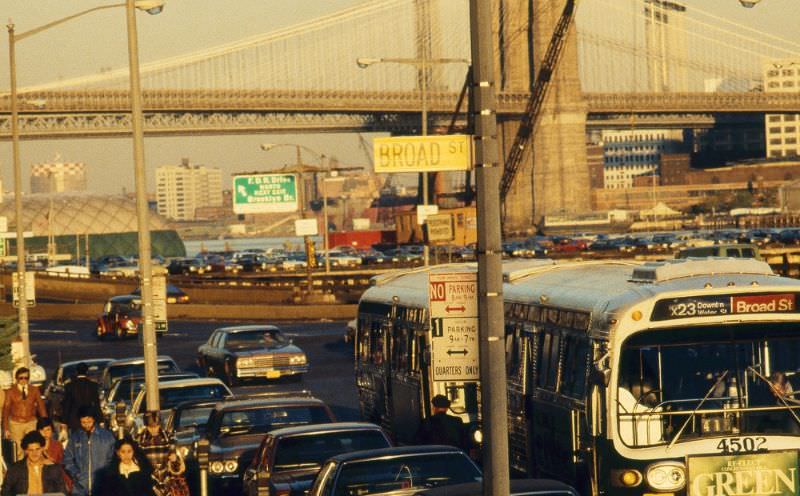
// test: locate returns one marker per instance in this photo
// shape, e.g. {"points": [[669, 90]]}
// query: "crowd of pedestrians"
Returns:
{"points": [[87, 460]]}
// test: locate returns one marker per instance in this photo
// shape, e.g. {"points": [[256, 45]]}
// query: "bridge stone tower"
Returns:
{"points": [[555, 179]]}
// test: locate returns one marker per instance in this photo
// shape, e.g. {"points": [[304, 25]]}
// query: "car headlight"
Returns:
{"points": [[297, 359], [216, 467], [666, 476], [130, 324], [231, 466], [245, 362], [183, 451]]}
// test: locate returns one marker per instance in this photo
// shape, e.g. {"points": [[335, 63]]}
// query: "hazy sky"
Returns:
{"points": [[86, 45]]}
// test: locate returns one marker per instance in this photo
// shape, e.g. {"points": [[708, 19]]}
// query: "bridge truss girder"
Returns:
{"points": [[108, 125]]}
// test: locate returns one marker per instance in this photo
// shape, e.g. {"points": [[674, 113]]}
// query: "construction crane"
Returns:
{"points": [[532, 115]]}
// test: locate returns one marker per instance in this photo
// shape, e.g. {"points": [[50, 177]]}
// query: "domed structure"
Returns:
{"points": [[107, 223], [78, 213]]}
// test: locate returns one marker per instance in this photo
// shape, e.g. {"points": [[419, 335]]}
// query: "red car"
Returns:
{"points": [[122, 317], [568, 245]]}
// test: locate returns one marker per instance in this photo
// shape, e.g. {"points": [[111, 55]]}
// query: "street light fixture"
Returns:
{"points": [[150, 6], [301, 169], [422, 64]]}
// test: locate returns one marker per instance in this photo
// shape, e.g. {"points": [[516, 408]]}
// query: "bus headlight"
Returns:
{"points": [[477, 436], [666, 476], [216, 467]]}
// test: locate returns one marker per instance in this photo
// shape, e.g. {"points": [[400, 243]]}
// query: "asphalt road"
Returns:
{"points": [[330, 379]]}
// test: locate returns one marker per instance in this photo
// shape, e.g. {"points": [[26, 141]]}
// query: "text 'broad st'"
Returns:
{"points": [[423, 153]]}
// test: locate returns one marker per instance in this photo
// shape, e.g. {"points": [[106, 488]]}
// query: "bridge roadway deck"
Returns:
{"points": [[68, 114], [336, 101]]}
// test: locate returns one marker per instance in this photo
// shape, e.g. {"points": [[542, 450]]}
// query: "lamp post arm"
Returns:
{"points": [[26, 34]]}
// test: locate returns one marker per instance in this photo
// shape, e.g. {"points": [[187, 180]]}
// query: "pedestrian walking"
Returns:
{"points": [[153, 441], [80, 391], [172, 477], [89, 449], [34, 474], [128, 474], [23, 405], [441, 427]]}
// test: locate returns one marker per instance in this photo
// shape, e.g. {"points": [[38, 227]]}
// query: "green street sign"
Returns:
{"points": [[264, 193]]}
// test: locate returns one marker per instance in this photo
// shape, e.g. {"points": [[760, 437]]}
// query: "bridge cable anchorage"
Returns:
{"points": [[533, 109]]}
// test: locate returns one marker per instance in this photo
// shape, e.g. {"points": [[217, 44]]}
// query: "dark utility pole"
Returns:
{"points": [[490, 273]]}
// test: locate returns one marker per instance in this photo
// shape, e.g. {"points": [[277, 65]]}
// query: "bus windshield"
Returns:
{"points": [[682, 384]]}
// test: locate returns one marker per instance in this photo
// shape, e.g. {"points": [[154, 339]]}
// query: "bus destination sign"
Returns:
{"points": [[713, 305]]}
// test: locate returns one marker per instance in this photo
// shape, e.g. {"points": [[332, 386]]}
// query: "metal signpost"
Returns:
{"points": [[454, 326], [265, 193], [488, 171]]}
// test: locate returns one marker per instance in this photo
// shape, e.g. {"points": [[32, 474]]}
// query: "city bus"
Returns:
{"points": [[395, 355], [673, 377]]}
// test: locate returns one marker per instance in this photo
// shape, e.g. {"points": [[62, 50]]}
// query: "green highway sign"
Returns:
{"points": [[264, 193]]}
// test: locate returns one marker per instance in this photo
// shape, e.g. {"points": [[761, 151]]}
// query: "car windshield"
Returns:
{"points": [[172, 396], [193, 417], [255, 339], [95, 370], [406, 472], [117, 371], [311, 450], [263, 420], [125, 390], [730, 380]]}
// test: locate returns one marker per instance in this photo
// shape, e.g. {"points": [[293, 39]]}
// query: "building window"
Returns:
{"points": [[790, 129], [775, 141], [788, 84], [774, 130], [789, 117], [787, 72], [774, 84], [774, 118], [772, 73], [791, 140]]}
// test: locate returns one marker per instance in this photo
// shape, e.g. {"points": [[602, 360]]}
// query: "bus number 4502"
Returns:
{"points": [[742, 444]]}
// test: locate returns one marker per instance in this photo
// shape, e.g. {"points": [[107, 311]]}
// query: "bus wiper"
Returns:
{"points": [[772, 388], [697, 408]]}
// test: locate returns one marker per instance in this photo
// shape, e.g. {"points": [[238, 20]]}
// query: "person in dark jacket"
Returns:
{"points": [[78, 392], [34, 474], [88, 450], [128, 474], [440, 427]]}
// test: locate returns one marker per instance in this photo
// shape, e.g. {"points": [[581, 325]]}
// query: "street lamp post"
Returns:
{"points": [[152, 7], [301, 169], [422, 63]]}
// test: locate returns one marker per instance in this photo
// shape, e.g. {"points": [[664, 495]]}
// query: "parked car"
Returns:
{"points": [[134, 366], [395, 471], [186, 422], [518, 487], [174, 294], [236, 428], [121, 317], [723, 250], [125, 389], [289, 459], [256, 351], [54, 392], [187, 266], [252, 262], [174, 392]]}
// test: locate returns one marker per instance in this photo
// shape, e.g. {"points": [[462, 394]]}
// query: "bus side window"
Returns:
{"points": [[548, 360], [376, 338], [363, 339], [548, 370], [401, 348], [576, 354], [515, 354]]}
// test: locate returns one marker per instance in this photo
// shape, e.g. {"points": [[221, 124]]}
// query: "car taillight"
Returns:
{"points": [[283, 492]]}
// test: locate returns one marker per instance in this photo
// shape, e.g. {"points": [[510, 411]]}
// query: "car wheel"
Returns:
{"points": [[230, 374]]}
